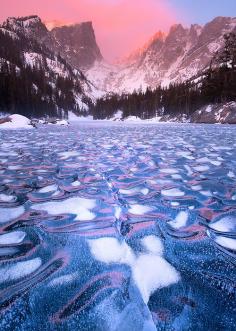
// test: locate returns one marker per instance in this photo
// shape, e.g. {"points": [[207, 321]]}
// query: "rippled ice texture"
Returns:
{"points": [[112, 227]]}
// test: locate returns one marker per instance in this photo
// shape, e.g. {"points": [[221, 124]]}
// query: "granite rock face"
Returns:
{"points": [[220, 113], [75, 43]]}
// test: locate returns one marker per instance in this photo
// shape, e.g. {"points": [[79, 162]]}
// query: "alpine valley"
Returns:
{"points": [[48, 70]]}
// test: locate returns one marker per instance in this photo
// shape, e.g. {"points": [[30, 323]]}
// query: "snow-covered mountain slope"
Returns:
{"points": [[50, 77], [176, 57]]}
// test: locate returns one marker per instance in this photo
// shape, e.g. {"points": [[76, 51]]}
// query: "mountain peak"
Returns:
{"points": [[28, 25], [24, 22], [176, 28], [76, 42], [80, 38]]}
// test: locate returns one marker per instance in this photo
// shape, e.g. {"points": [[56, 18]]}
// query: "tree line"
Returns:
{"points": [[216, 84]]}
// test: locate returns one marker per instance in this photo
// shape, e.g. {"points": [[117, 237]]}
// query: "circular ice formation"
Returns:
{"points": [[228, 243], [19, 270], [78, 206], [226, 223], [10, 238]]}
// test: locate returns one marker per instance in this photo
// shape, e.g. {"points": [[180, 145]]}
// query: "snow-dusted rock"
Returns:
{"points": [[219, 113], [15, 121]]}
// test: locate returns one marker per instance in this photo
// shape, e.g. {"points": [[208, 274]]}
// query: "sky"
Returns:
{"points": [[121, 26]]}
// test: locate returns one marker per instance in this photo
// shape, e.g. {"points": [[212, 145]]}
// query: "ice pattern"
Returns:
{"points": [[118, 226]]}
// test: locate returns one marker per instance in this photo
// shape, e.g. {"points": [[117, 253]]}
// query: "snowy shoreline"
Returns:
{"points": [[210, 114]]}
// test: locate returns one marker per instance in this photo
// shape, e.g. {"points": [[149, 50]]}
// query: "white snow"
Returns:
{"points": [[231, 174], [10, 238], [9, 214], [180, 220], [145, 191], [209, 109], [62, 122], [117, 116], [225, 224], [78, 206], [153, 245], [150, 270], [17, 122], [110, 250], [76, 183], [196, 187], [62, 280], [50, 188], [173, 192], [32, 59], [7, 198], [169, 171], [139, 209], [19, 270], [73, 118], [66, 155], [201, 168], [226, 242]]}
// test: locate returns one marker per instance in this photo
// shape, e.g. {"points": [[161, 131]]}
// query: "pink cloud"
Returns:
{"points": [[120, 25]]}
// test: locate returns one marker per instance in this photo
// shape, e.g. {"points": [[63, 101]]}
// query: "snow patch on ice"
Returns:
{"points": [[150, 270], [139, 209], [9, 214], [19, 270], [11, 238], [180, 220], [225, 224], [226, 242], [173, 192], [78, 206]]}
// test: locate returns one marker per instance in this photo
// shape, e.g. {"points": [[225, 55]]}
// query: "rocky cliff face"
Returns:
{"points": [[30, 26], [75, 43], [219, 113], [177, 57]]}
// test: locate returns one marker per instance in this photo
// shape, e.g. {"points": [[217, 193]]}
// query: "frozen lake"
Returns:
{"points": [[123, 227]]}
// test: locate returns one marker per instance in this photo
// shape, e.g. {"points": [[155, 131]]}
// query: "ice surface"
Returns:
{"points": [[109, 226], [66, 155]]}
